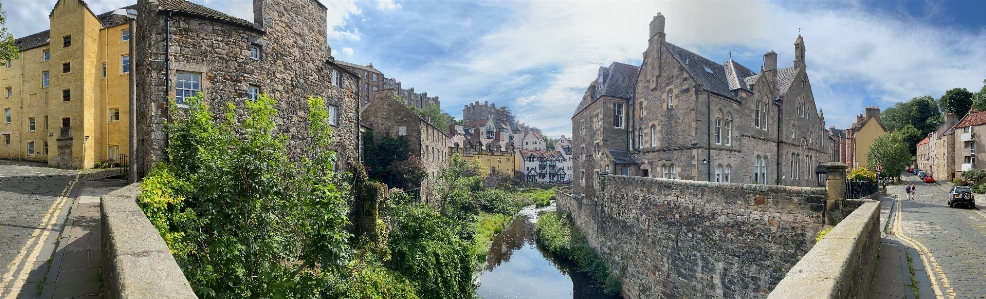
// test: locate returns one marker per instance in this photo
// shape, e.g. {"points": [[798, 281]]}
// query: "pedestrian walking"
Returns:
{"points": [[914, 191], [907, 190]]}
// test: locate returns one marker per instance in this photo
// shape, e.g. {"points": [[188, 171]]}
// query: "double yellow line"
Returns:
{"points": [[34, 244], [931, 265]]}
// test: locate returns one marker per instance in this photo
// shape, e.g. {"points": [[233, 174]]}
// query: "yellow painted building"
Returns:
{"points": [[864, 132], [66, 98], [491, 156]]}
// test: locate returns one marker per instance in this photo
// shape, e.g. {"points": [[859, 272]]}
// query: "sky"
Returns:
{"points": [[538, 57]]}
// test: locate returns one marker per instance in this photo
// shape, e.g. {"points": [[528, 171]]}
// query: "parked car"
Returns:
{"points": [[922, 174], [910, 170], [962, 195], [929, 179]]}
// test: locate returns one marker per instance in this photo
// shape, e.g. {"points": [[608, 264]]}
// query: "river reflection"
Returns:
{"points": [[517, 267]]}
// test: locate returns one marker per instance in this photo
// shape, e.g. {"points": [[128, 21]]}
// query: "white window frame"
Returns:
{"points": [[718, 173], [10, 92], [187, 84], [401, 131], [46, 55], [125, 35], [31, 124], [30, 148], [718, 131], [727, 173], [333, 115], [653, 135], [45, 79], [670, 98], [253, 92], [729, 130], [619, 115], [336, 80], [254, 51]]}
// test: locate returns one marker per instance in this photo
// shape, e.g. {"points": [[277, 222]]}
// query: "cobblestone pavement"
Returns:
{"points": [[33, 205], [950, 240]]}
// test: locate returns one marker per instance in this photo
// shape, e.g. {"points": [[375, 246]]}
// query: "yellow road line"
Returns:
{"points": [[36, 242], [927, 259]]}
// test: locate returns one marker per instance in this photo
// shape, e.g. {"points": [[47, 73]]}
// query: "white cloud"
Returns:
{"points": [[348, 51], [388, 5]]}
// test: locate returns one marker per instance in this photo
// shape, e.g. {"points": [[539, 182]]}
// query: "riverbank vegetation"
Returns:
{"points": [[556, 233], [243, 219]]}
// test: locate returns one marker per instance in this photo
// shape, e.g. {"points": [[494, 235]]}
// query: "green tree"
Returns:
{"points": [[891, 152], [241, 218], [979, 99], [410, 172], [921, 112], [549, 142], [911, 137], [8, 49], [435, 116], [380, 155], [956, 100]]}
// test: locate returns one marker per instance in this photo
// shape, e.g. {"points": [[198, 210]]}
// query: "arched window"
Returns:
{"points": [[726, 173], [673, 171], [763, 116], [670, 99], [756, 117], [719, 173], [729, 129], [718, 131], [653, 135], [756, 169]]}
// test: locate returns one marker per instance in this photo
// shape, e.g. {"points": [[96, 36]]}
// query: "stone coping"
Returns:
{"points": [[747, 187], [136, 260], [842, 264]]}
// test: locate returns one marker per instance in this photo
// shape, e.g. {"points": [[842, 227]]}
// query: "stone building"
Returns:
{"points": [[543, 166], [374, 80], [385, 115], [66, 99], [680, 115], [942, 150], [474, 111], [923, 153], [492, 155], [966, 141], [854, 143], [182, 49]]}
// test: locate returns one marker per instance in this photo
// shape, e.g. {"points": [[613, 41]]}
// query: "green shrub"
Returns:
{"points": [[426, 249], [974, 175], [556, 233], [371, 280], [486, 227], [981, 188], [958, 182], [861, 173]]}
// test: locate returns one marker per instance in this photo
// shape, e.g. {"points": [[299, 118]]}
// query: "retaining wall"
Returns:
{"points": [[688, 239], [136, 261], [842, 264]]}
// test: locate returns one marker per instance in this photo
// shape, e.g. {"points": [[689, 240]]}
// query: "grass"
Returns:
{"points": [[914, 281], [556, 232], [487, 226]]}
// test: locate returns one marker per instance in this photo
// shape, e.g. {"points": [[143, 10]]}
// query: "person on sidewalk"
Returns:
{"points": [[913, 191], [907, 190]]}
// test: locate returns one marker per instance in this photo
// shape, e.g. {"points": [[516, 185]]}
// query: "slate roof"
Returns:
{"points": [[622, 157], [33, 41], [974, 118], [785, 77], [108, 19], [189, 8], [839, 133], [617, 80], [711, 75], [735, 75], [362, 67]]}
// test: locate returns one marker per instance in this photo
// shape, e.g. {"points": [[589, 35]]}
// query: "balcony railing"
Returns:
{"points": [[968, 137]]}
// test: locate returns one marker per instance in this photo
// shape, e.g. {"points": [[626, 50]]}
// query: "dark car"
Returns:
{"points": [[962, 195], [921, 174]]}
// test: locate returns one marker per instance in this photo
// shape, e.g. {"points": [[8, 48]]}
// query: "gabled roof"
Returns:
{"points": [[189, 8], [368, 67], [33, 41], [785, 77], [926, 140], [735, 75], [710, 74], [622, 157], [867, 120], [839, 133], [618, 81], [973, 118], [108, 19]]}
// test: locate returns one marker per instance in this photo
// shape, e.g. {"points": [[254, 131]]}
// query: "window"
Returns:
{"points": [[66, 95], [125, 64], [254, 51], [794, 165], [618, 115], [46, 55], [6, 139], [114, 114], [729, 130], [66, 122], [253, 92], [45, 150], [66, 67], [640, 138], [756, 170], [113, 153], [673, 172], [718, 131], [30, 148], [719, 173], [10, 92], [46, 125], [31, 126], [670, 99], [104, 70], [374, 88], [187, 85], [67, 41], [334, 115], [653, 135], [374, 77], [763, 117], [726, 173], [756, 116], [44, 79], [336, 80], [401, 131], [125, 35], [6, 113]]}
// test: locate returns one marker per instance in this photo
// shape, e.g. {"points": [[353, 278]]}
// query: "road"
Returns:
{"points": [[33, 201], [950, 240]]}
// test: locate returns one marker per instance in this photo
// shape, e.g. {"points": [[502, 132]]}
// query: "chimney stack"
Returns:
{"points": [[770, 61], [657, 26]]}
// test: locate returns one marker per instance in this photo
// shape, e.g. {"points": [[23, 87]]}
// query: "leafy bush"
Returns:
{"points": [[556, 232], [542, 198], [485, 228], [861, 173], [370, 279], [974, 175], [958, 182], [426, 248], [981, 188], [241, 219]]}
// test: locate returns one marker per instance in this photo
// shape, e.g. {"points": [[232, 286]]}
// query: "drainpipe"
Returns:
{"points": [[708, 132], [780, 109]]}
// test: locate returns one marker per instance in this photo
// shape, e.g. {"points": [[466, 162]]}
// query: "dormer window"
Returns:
{"points": [[707, 69]]}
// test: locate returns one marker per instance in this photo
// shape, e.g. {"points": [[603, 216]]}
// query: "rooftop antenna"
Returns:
{"points": [[731, 56]]}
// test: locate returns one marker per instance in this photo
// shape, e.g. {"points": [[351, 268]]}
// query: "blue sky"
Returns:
{"points": [[537, 57]]}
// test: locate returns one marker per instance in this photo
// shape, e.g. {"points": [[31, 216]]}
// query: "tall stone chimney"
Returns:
{"points": [[258, 13], [657, 26], [873, 111], [769, 61], [799, 52]]}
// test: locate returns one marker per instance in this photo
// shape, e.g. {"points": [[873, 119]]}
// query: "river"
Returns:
{"points": [[517, 267]]}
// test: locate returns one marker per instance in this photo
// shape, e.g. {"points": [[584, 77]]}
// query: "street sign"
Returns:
{"points": [[879, 168]]}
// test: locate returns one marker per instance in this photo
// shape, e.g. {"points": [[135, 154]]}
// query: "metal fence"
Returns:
{"points": [[860, 188]]}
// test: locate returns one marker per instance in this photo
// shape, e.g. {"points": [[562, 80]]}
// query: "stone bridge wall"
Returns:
{"points": [[688, 239]]}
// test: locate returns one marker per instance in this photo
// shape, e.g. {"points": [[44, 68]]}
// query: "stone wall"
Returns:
{"points": [[136, 261], [686, 239], [842, 264]]}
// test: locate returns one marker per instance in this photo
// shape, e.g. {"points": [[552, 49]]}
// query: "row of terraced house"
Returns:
{"points": [[951, 149]]}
